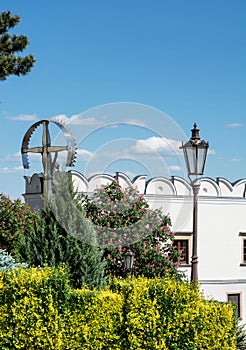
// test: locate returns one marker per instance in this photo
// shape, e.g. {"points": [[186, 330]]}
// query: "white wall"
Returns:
{"points": [[221, 217]]}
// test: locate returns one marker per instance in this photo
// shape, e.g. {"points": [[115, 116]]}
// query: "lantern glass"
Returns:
{"points": [[190, 159], [195, 153], [195, 158], [201, 159]]}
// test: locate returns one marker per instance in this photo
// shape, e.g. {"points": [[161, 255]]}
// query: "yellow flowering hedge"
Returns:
{"points": [[171, 315], [94, 321], [38, 310], [31, 306]]}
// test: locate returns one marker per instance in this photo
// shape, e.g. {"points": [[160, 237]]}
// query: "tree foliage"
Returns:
{"points": [[16, 219], [63, 235], [10, 46], [123, 219]]}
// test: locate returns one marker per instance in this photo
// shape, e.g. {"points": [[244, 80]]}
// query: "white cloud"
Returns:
{"points": [[235, 160], [211, 151], [60, 118], [9, 170], [234, 125], [175, 168], [24, 117], [11, 157], [155, 144], [83, 154], [135, 122], [77, 119]]}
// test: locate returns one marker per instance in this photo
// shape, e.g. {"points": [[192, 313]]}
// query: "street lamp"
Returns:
{"points": [[128, 260], [195, 154]]}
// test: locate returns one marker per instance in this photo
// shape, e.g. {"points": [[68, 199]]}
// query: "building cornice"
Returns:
{"points": [[160, 186]]}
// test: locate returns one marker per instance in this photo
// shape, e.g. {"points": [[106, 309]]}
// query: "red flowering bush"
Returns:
{"points": [[123, 219], [16, 218]]}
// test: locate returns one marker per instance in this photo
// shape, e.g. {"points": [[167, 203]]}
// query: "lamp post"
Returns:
{"points": [[128, 260], [195, 154]]}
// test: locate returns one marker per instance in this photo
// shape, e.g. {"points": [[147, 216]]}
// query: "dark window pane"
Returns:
{"points": [[244, 250], [182, 245], [235, 299]]}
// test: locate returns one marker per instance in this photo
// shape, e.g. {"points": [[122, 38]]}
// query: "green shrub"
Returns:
{"points": [[31, 304], [241, 336], [218, 321], [168, 314], [38, 310], [16, 220], [95, 321]]}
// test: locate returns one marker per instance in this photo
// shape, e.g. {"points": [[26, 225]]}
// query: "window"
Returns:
{"points": [[243, 248], [235, 298], [182, 245], [244, 251]]}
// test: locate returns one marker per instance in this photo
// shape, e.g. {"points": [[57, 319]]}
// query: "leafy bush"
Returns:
{"points": [[38, 310], [16, 219], [7, 261], [123, 218], [94, 321], [241, 337], [32, 302], [168, 314]]}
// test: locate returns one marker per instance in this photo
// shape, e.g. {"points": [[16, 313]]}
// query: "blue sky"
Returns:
{"points": [[173, 61]]}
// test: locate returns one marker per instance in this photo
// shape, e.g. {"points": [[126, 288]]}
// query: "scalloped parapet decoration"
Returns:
{"points": [[158, 188], [234, 189], [183, 188], [161, 186]]}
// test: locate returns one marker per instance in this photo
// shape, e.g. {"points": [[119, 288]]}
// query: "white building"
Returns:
{"points": [[221, 225]]}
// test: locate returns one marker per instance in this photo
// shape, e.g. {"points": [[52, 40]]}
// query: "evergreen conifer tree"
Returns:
{"points": [[64, 235], [10, 45]]}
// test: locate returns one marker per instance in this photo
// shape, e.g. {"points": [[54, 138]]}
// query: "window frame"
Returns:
{"points": [[243, 248], [240, 304], [185, 236]]}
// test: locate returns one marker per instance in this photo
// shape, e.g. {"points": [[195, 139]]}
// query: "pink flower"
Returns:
{"points": [[108, 256]]}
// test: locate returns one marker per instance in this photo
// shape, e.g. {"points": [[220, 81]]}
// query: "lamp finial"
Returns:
{"points": [[195, 133]]}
